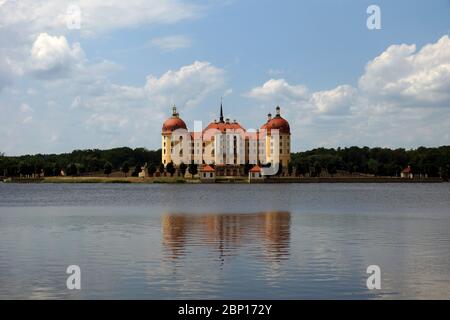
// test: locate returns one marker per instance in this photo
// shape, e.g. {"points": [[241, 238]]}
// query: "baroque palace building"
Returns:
{"points": [[226, 146]]}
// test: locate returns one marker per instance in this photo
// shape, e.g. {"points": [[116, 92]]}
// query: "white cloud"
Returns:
{"points": [[171, 43], [110, 122], [279, 89], [335, 101], [126, 114], [187, 86], [407, 77], [52, 56], [96, 16], [399, 101]]}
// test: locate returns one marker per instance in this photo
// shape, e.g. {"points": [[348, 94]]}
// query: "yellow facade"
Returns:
{"points": [[230, 144]]}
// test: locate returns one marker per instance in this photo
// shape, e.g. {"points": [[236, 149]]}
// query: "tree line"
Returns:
{"points": [[431, 162], [79, 162]]}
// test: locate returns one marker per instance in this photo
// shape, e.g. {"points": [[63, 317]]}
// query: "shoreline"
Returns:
{"points": [[220, 180]]}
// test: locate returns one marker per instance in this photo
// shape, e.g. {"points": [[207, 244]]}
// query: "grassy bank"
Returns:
{"points": [[104, 180], [225, 180]]}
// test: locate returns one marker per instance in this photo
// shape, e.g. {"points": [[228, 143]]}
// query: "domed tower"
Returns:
{"points": [[169, 126], [284, 144]]}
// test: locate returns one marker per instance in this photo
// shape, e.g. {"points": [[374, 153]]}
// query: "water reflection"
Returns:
{"points": [[267, 234]]}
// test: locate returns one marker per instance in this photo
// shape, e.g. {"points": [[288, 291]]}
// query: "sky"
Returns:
{"points": [[112, 81]]}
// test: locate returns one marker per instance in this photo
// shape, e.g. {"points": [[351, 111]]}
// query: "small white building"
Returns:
{"points": [[207, 174], [254, 174], [407, 173], [144, 172]]}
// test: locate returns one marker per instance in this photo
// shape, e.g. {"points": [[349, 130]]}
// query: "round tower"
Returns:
{"points": [[170, 125], [284, 143]]}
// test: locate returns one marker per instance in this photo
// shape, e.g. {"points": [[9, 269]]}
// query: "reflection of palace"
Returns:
{"points": [[268, 232], [225, 145]]}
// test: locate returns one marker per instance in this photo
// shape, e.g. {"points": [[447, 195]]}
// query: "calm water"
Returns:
{"points": [[225, 241]]}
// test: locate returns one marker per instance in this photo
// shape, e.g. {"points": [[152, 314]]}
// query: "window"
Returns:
{"points": [[211, 175]]}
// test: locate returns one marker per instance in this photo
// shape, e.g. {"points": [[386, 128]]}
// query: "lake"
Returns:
{"points": [[228, 241]]}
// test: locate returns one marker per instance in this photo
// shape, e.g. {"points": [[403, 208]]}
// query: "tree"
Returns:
{"points": [[81, 168], [25, 169], [193, 169], [183, 168], [161, 168], [72, 169], [38, 167], [317, 169], [332, 166], [170, 168], [290, 168], [93, 165], [137, 170], [372, 166], [302, 167], [280, 169], [125, 168], [56, 170], [48, 170], [151, 169], [445, 172], [107, 168]]}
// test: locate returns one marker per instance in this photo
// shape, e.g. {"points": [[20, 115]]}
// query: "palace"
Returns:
{"points": [[225, 147]]}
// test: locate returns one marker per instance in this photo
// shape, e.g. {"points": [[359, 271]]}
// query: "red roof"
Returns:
{"points": [[223, 126], [255, 169], [173, 124], [208, 169], [279, 123], [407, 170]]}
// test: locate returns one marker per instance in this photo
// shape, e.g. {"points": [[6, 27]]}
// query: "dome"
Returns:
{"points": [[277, 122], [280, 124], [173, 123]]}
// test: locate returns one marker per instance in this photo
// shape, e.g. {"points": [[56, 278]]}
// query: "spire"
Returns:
{"points": [[174, 111], [221, 110]]}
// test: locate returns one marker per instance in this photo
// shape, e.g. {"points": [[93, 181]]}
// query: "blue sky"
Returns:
{"points": [[112, 82]]}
